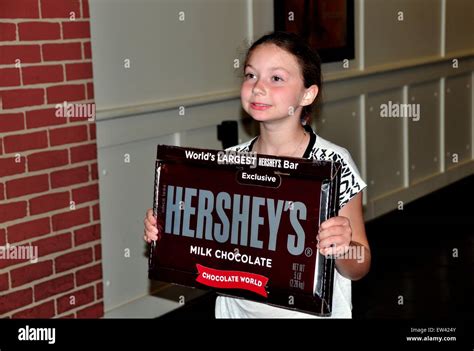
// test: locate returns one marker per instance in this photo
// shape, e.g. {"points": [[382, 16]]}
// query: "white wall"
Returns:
{"points": [[169, 58], [189, 64]]}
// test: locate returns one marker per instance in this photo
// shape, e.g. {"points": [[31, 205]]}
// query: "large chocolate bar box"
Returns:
{"points": [[245, 225]]}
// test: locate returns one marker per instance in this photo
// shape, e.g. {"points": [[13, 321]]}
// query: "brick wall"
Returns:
{"points": [[50, 265]]}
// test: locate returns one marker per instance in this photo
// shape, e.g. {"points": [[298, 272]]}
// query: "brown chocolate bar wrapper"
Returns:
{"points": [[245, 225]]}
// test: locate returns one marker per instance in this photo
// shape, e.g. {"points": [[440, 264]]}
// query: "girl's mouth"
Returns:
{"points": [[259, 107]]}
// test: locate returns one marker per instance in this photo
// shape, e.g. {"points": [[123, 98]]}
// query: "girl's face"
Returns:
{"points": [[273, 87]]}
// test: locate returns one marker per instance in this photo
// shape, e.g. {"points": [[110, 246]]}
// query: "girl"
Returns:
{"points": [[282, 78]]}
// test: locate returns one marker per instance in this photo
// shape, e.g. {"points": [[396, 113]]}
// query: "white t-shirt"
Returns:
{"points": [[351, 184]]}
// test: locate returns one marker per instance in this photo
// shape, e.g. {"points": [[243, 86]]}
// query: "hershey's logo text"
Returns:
{"points": [[245, 215]]}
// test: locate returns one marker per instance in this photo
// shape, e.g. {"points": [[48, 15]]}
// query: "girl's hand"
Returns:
{"points": [[151, 227], [335, 236]]}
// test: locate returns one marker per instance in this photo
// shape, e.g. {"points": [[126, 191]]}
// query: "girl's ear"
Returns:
{"points": [[309, 95]]}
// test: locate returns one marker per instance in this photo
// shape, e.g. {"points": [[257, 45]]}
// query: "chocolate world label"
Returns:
{"points": [[245, 225]]}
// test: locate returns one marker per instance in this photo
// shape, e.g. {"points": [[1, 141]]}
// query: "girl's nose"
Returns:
{"points": [[258, 88]]}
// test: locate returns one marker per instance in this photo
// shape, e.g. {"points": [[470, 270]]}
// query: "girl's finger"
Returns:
{"points": [[151, 228], [336, 240], [150, 217], [334, 231], [151, 236]]}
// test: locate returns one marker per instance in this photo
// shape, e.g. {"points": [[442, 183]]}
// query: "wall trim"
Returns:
{"points": [[337, 77]]}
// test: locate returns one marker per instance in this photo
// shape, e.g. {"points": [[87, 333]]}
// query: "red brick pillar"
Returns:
{"points": [[50, 254]]}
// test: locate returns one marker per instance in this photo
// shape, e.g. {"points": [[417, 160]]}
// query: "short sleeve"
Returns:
{"points": [[244, 147], [351, 181]]}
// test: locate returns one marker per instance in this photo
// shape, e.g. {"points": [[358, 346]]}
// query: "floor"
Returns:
{"points": [[422, 262]]}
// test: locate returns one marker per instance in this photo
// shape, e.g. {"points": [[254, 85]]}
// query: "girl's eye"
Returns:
{"points": [[277, 79], [248, 75]]}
